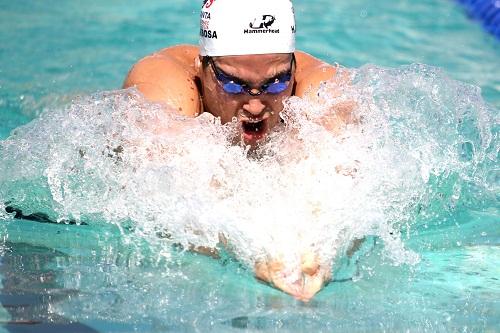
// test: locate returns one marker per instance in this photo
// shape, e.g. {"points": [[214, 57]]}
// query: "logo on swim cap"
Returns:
{"points": [[207, 3], [262, 27], [266, 22], [232, 27]]}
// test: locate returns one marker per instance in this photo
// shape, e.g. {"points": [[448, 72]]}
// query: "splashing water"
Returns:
{"points": [[420, 145]]}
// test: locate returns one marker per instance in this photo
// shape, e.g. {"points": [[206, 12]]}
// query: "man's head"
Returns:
{"points": [[247, 64]]}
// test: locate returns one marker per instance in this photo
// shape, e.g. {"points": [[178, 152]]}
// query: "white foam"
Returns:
{"points": [[113, 158]]}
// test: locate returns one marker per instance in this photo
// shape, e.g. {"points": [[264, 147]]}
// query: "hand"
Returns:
{"points": [[302, 282]]}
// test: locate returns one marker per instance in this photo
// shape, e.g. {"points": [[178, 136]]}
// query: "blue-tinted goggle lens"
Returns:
{"points": [[231, 87], [277, 87]]}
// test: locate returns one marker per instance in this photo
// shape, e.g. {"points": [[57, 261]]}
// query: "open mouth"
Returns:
{"points": [[254, 130]]}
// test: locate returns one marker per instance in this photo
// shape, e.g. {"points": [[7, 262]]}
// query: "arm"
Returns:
{"points": [[311, 72], [167, 77]]}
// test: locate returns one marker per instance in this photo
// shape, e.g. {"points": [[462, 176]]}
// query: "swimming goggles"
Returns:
{"points": [[234, 86]]}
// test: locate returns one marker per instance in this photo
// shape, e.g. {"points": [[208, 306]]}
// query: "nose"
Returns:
{"points": [[254, 107]]}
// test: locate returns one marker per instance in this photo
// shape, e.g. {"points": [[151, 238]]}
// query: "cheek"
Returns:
{"points": [[209, 89], [228, 109], [277, 103], [220, 105]]}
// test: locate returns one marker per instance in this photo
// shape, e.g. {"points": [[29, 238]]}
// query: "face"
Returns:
{"points": [[265, 82]]}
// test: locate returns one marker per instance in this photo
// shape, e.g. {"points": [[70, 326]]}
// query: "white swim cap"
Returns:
{"points": [[238, 27]]}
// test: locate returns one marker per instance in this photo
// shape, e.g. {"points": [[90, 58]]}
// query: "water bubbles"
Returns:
{"points": [[414, 142]]}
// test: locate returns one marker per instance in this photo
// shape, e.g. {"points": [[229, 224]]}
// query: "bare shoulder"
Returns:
{"points": [[168, 76], [310, 73]]}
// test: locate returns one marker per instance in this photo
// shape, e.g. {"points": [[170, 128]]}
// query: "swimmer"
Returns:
{"points": [[244, 68]]}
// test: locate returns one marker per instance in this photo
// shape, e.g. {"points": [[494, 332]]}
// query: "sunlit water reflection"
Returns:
{"points": [[409, 175]]}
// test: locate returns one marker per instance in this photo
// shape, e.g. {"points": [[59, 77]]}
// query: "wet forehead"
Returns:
{"points": [[254, 68]]}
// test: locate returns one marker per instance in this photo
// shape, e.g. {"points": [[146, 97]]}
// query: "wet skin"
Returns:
{"points": [[302, 282], [179, 78], [257, 115]]}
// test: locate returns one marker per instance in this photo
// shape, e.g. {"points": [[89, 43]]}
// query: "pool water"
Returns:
{"points": [[424, 197]]}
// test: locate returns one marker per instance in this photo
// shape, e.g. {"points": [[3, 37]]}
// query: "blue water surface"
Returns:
{"points": [[87, 278]]}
